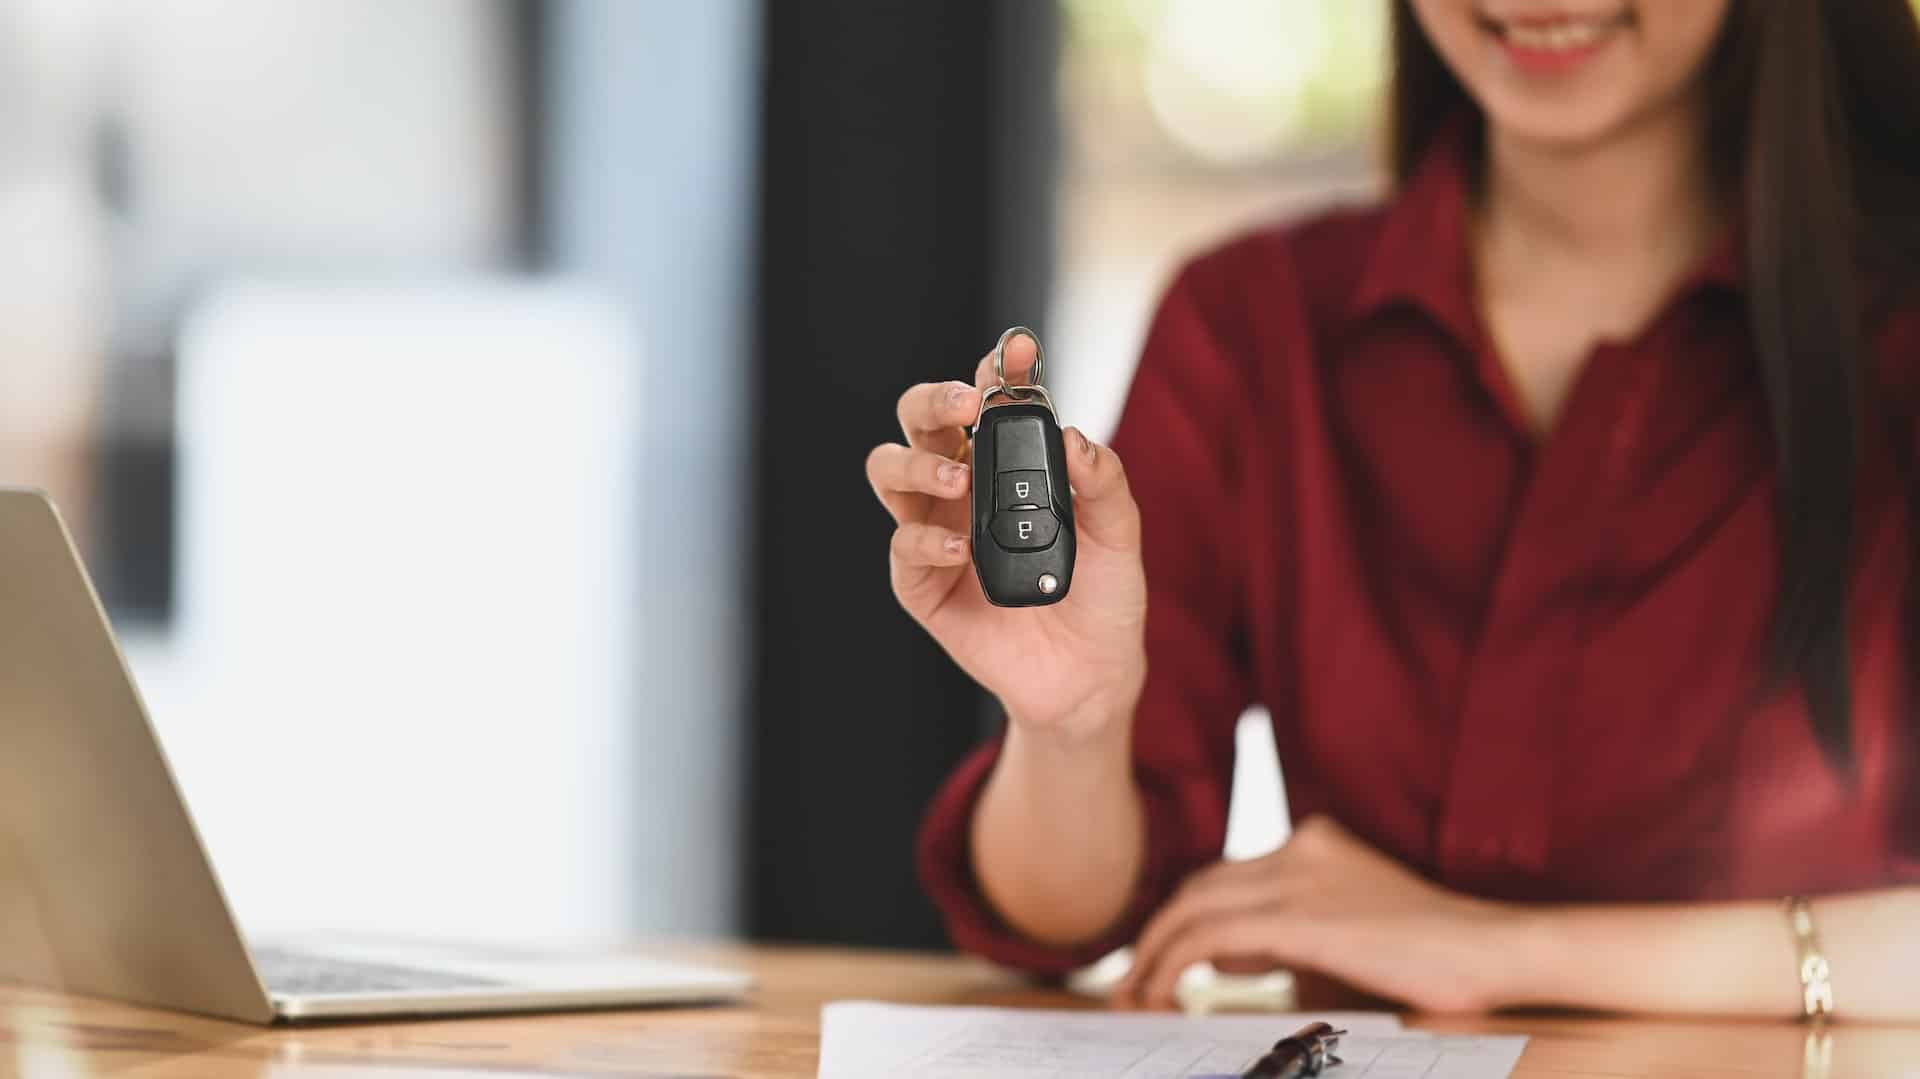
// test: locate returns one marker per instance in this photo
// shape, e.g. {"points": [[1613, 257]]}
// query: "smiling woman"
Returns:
{"points": [[1802, 123], [1558, 510]]}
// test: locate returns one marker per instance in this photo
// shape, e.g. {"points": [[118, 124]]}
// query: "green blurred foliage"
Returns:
{"points": [[1338, 101]]}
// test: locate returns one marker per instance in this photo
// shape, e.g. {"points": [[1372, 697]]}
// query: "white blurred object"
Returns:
{"points": [[1227, 78], [1258, 819], [1103, 311], [408, 530]]}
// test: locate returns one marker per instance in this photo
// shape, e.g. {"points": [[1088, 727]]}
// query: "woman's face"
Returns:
{"points": [[1574, 71]]}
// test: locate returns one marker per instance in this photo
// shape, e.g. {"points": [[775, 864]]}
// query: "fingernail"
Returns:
{"points": [[951, 474], [1080, 440], [957, 394], [956, 543]]}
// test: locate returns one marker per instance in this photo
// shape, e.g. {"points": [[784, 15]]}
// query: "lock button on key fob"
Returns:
{"points": [[1025, 530], [1023, 539]]}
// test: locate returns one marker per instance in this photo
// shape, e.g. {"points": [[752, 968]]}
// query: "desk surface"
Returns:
{"points": [[45, 1034]]}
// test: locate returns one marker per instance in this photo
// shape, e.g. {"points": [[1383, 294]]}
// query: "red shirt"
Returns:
{"points": [[1524, 666]]}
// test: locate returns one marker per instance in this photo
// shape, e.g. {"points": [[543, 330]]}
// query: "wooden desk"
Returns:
{"points": [[44, 1035]]}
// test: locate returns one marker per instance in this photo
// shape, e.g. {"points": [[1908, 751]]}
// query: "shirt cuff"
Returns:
{"points": [[946, 872]]}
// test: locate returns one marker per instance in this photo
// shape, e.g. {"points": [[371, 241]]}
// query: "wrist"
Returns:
{"points": [[1058, 834], [1101, 715], [1101, 722], [1520, 947], [1095, 732]]}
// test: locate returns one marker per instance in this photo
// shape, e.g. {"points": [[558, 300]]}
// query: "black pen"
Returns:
{"points": [[1306, 1053]]}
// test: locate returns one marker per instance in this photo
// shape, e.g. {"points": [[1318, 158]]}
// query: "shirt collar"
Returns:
{"points": [[1422, 256]]}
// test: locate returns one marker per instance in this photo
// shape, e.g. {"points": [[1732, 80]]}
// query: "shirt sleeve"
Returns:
{"points": [[1181, 438]]}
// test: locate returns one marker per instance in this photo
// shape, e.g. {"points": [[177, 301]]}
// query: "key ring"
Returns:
{"points": [[1029, 392], [1019, 393]]}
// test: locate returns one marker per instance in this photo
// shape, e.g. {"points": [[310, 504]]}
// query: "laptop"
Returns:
{"points": [[106, 890]]}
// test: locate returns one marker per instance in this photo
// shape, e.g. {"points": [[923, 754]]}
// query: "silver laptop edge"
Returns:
{"points": [[105, 885]]}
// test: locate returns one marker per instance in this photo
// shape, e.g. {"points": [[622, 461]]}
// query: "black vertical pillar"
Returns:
{"points": [[905, 195]]}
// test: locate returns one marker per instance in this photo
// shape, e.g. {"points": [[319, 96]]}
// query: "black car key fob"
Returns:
{"points": [[1023, 540]]}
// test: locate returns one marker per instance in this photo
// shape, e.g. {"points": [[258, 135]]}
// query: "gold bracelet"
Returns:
{"points": [[1816, 977]]}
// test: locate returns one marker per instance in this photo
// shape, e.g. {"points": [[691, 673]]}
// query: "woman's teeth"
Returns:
{"points": [[1557, 37]]}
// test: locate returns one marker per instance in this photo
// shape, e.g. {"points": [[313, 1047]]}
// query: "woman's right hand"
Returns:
{"points": [[1074, 668]]}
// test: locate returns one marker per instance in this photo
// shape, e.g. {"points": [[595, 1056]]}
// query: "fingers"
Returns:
{"points": [[933, 413], [898, 473], [1223, 889], [1103, 506], [1198, 902], [918, 554], [1265, 932], [920, 545]]}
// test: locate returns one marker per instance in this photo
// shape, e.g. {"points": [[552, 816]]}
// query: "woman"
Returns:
{"points": [[1561, 511]]}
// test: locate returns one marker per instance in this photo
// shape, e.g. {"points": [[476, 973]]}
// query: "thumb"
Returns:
{"points": [[1021, 354], [1103, 506]]}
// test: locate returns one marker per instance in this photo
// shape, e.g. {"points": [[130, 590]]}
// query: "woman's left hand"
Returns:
{"points": [[1328, 902]]}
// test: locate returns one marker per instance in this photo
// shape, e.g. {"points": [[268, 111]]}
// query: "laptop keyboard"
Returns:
{"points": [[298, 974]]}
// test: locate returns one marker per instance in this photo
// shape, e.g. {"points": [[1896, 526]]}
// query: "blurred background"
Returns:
{"points": [[462, 404]]}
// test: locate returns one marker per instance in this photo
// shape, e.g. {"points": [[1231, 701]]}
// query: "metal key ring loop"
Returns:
{"points": [[1000, 363]]}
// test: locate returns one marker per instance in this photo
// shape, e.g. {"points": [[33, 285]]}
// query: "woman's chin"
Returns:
{"points": [[1559, 126]]}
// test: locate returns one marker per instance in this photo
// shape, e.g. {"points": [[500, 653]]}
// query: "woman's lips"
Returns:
{"points": [[1549, 45]]}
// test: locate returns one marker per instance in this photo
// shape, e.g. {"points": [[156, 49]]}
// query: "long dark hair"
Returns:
{"points": [[1816, 125]]}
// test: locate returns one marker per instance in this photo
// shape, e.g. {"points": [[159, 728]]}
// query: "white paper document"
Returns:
{"points": [[862, 1040]]}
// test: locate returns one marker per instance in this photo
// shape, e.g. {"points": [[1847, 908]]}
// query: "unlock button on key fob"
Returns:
{"points": [[1025, 530], [1020, 490]]}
